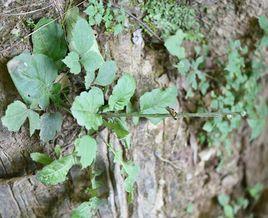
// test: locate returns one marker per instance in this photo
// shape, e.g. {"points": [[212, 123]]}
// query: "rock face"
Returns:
{"points": [[174, 171]]}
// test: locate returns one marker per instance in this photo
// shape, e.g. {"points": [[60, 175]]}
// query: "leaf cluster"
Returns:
{"points": [[104, 13], [103, 99], [238, 91], [231, 208], [169, 16]]}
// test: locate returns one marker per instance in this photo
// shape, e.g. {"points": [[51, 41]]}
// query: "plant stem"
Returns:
{"points": [[178, 115]]}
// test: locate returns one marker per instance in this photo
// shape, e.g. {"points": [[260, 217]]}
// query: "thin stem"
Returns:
{"points": [[178, 115], [117, 157]]}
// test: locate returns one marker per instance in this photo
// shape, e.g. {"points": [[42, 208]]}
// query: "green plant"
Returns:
{"points": [[238, 91], [231, 208], [169, 16], [35, 76], [255, 191], [113, 18]]}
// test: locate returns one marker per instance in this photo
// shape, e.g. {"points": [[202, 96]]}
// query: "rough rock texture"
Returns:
{"points": [[174, 170]]}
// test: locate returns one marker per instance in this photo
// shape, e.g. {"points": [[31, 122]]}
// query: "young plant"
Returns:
{"points": [[35, 76], [238, 92], [231, 208], [167, 17], [112, 18]]}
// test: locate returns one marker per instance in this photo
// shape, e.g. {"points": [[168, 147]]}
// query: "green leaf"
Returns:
{"points": [[106, 73], [122, 92], [183, 66], [72, 61], [56, 92], [87, 209], [255, 191], [83, 42], [33, 76], [71, 18], [208, 127], [190, 208], [86, 106], [118, 126], [82, 37], [16, 114], [49, 39], [56, 172], [156, 101], [223, 199], [92, 61], [263, 22], [86, 148], [41, 158], [58, 151], [89, 78], [264, 41], [257, 125], [50, 125], [118, 29], [34, 120], [228, 211], [174, 44], [132, 171]]}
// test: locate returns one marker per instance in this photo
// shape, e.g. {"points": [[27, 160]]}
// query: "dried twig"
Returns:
{"points": [[26, 12]]}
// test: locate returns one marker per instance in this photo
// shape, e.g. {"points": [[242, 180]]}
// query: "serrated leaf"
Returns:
{"points": [[174, 44], [50, 125], [72, 61], [118, 126], [106, 73], [87, 209], [86, 148], [56, 172], [16, 114], [156, 101], [86, 106], [122, 92], [33, 76], [49, 39], [41, 158]]}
